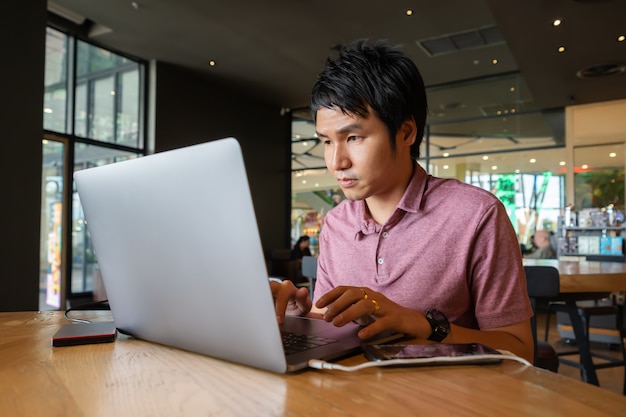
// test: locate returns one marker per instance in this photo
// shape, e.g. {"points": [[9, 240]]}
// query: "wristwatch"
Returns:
{"points": [[439, 323]]}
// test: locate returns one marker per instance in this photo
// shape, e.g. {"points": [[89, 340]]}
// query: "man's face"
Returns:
{"points": [[358, 153]]}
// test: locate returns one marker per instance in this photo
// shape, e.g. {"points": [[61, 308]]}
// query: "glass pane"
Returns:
{"points": [[80, 106], [55, 84], [128, 115], [102, 120], [108, 96], [92, 60], [84, 264], [52, 212], [506, 133], [599, 176]]}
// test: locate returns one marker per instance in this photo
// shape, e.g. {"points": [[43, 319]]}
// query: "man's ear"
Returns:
{"points": [[407, 133]]}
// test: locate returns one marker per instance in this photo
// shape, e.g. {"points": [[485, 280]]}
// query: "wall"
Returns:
{"points": [[22, 41], [597, 123], [592, 124], [191, 108]]}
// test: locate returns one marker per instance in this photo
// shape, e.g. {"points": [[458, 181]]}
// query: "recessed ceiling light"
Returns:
{"points": [[517, 171], [494, 167], [621, 38], [612, 155], [409, 12], [446, 154], [556, 22], [562, 163], [532, 160], [494, 61], [485, 157], [561, 49], [512, 89], [584, 166], [446, 166], [212, 63]]}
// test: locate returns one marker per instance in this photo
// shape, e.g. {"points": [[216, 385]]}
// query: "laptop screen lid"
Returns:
{"points": [[177, 242]]}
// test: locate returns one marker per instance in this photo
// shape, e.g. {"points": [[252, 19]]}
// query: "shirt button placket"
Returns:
{"points": [[380, 260]]}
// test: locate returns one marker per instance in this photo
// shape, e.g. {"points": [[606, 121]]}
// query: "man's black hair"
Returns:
{"points": [[378, 75]]}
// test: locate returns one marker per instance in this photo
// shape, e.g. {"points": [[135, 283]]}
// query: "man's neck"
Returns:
{"points": [[381, 207]]}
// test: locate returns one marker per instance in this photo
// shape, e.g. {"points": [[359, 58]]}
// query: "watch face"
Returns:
{"points": [[438, 315]]}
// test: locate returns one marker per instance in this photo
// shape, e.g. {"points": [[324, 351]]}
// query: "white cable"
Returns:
{"points": [[320, 364]]}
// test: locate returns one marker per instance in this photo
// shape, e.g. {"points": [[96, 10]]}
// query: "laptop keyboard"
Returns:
{"points": [[293, 342]]}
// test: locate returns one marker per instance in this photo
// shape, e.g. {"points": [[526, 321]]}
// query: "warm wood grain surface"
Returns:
{"points": [[135, 378]]}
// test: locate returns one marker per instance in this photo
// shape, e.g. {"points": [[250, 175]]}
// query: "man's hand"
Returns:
{"points": [[290, 300], [372, 309]]}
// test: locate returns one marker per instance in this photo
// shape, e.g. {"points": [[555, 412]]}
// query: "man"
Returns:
{"points": [[544, 250], [428, 257]]}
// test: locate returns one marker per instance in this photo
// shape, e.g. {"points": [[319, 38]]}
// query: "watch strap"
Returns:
{"points": [[439, 324]]}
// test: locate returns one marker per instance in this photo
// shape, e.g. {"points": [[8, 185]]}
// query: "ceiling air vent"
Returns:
{"points": [[478, 38], [601, 70]]}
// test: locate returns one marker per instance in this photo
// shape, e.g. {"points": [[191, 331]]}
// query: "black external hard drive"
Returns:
{"points": [[84, 333]]}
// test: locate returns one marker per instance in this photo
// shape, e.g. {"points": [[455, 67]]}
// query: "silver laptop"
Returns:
{"points": [[177, 242]]}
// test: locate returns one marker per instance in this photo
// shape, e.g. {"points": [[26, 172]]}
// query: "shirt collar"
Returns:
{"points": [[410, 202]]}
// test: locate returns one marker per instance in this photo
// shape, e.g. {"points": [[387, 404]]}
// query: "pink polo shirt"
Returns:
{"points": [[448, 246]]}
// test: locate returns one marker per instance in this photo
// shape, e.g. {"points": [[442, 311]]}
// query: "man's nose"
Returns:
{"points": [[338, 158]]}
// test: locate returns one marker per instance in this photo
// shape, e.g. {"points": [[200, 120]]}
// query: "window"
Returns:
{"points": [[91, 118]]}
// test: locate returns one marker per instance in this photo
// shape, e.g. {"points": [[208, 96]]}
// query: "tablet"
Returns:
{"points": [[480, 353]]}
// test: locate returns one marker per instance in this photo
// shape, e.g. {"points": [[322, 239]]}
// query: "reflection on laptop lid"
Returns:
{"points": [[176, 238]]}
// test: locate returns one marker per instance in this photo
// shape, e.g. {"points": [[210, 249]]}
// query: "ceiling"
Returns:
{"points": [[275, 48]]}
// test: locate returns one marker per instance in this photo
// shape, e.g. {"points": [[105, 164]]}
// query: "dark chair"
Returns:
{"points": [[538, 276], [542, 282], [309, 270], [608, 315], [281, 266]]}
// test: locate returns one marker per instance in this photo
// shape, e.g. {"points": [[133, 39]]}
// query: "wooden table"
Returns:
{"points": [[131, 377], [583, 276], [579, 281]]}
